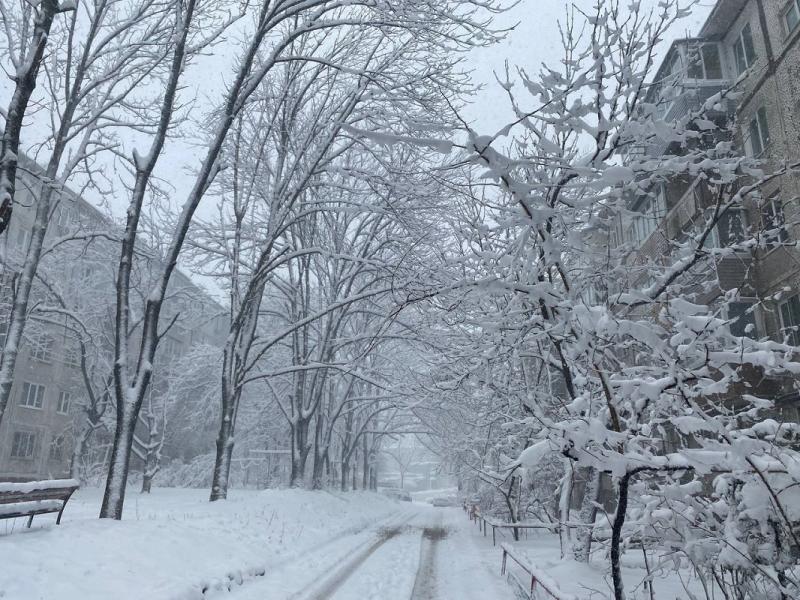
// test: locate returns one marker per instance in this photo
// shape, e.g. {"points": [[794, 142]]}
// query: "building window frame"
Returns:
{"points": [[651, 214], [773, 219], [42, 348], [744, 50], [737, 319], [57, 447], [789, 312], [790, 16], [23, 444], [72, 355], [22, 240], [64, 402], [758, 136], [32, 395], [704, 59]]}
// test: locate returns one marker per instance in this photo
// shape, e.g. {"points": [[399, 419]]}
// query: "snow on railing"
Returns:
{"points": [[485, 522], [539, 579]]}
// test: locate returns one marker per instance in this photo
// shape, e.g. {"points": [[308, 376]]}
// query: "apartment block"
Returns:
{"points": [[750, 47], [49, 393]]}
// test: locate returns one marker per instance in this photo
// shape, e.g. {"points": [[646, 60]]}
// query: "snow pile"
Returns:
{"points": [[174, 543]]}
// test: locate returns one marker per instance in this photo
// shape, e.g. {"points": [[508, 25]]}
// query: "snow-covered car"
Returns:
{"points": [[445, 501], [397, 494]]}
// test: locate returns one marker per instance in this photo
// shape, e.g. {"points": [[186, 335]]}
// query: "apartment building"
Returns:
{"points": [[75, 289], [750, 46]]}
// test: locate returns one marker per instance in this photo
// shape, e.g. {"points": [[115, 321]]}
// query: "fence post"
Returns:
{"points": [[503, 568], [494, 537]]}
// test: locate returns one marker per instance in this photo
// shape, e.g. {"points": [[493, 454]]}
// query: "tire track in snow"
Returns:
{"points": [[425, 583], [328, 585], [334, 581], [239, 583]]}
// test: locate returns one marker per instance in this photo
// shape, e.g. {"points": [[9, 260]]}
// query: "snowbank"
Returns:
{"points": [[173, 544]]}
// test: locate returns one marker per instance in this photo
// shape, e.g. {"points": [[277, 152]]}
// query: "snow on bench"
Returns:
{"points": [[20, 509], [32, 498], [538, 577], [27, 487]]}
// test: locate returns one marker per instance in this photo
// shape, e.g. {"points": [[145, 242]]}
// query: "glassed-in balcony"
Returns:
{"points": [[693, 71]]}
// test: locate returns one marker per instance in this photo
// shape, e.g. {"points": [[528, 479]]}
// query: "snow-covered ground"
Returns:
{"points": [[592, 581], [271, 545], [280, 545], [173, 544]]}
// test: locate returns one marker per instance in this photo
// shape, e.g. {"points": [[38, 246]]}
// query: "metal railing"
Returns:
{"points": [[538, 579]]}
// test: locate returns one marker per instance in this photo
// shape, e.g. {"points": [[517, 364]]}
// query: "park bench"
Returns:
{"points": [[35, 498]]}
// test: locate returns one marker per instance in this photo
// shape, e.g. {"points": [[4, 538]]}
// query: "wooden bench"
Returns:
{"points": [[35, 498]]}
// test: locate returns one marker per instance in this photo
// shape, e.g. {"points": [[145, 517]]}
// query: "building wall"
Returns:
{"points": [[771, 83], [200, 321]]}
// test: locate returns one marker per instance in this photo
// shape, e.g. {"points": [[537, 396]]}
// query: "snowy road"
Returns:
{"points": [[421, 553]]}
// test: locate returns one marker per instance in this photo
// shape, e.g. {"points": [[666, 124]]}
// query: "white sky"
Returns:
{"points": [[535, 40]]}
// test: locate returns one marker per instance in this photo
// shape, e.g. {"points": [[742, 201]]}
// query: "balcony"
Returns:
{"points": [[693, 71]]}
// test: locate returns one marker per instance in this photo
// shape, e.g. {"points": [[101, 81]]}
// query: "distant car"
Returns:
{"points": [[445, 501], [397, 494]]}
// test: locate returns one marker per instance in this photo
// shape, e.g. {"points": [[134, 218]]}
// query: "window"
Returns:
{"points": [[704, 62], [742, 320], [774, 221], [23, 445], [63, 217], [72, 355], [57, 448], [32, 395], [64, 399], [42, 349], [652, 212], [3, 334], [744, 51], [758, 133], [790, 320], [731, 228], [21, 240], [791, 15]]}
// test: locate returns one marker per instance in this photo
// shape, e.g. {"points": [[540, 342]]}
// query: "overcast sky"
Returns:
{"points": [[535, 40]]}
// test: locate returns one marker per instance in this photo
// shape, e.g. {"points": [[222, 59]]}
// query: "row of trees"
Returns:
{"points": [[315, 237]]}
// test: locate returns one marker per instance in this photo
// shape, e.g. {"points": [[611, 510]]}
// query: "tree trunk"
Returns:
{"points": [[616, 537], [591, 496], [114, 495], [317, 479], [364, 464], [15, 115], [564, 505], [319, 456], [152, 457], [79, 453], [300, 450], [225, 442], [345, 476], [147, 478]]}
